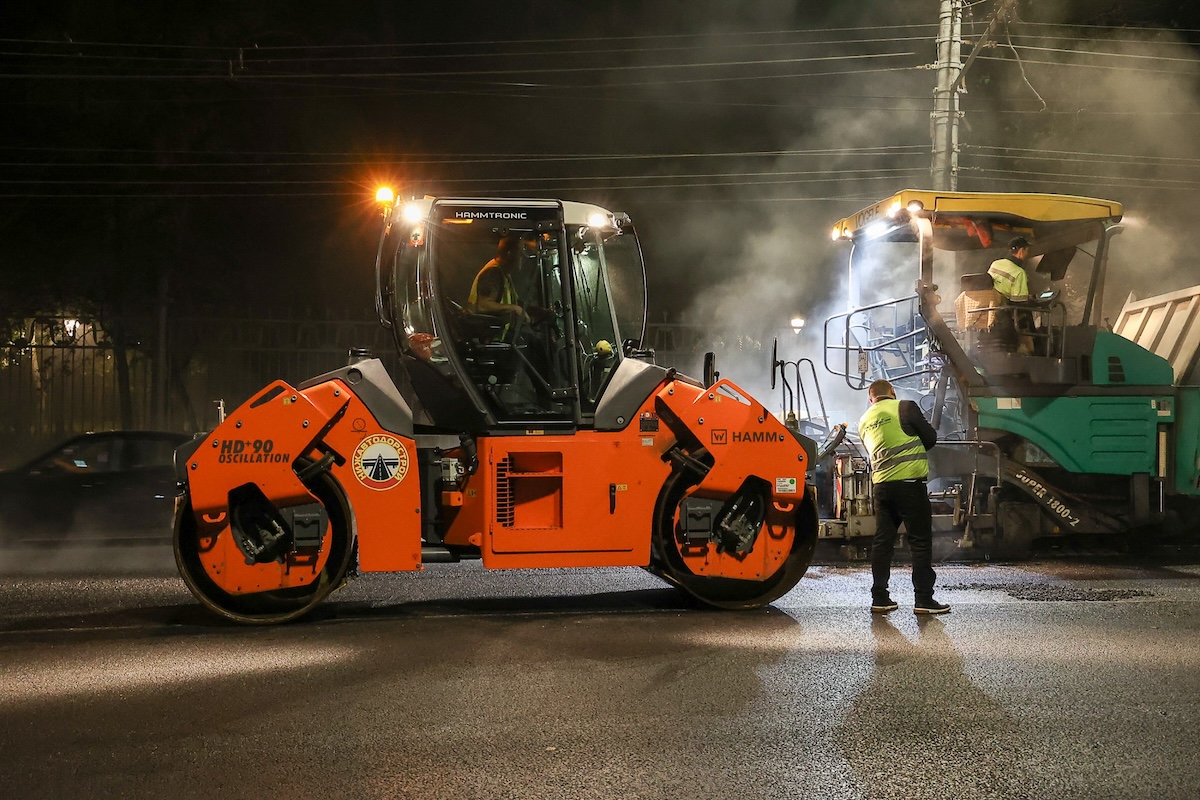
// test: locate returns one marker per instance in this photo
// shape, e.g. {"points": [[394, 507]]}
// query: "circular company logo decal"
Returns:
{"points": [[380, 462]]}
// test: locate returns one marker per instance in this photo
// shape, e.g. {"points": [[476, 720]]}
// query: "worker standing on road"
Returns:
{"points": [[896, 436]]}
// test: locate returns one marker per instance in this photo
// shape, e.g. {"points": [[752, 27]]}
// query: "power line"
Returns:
{"points": [[403, 160], [1057, 154], [263, 76], [1108, 27], [474, 183], [325, 91], [1123, 68], [101, 57], [256, 56], [222, 62], [842, 173], [472, 43], [474, 158], [827, 74], [1107, 54], [222, 53], [1142, 42], [574, 95], [1087, 179]]}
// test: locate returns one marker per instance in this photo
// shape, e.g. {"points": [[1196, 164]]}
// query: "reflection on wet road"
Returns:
{"points": [[1047, 680]]}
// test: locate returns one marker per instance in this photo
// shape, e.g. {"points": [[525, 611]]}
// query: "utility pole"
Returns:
{"points": [[944, 119], [951, 72]]}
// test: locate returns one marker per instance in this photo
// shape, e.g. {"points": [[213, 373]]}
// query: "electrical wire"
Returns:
{"points": [[844, 173], [475, 43], [1174, 44], [1085, 155], [327, 91], [476, 183], [1106, 27], [313, 76], [1105, 54], [1122, 68], [1024, 77], [256, 56], [655, 182], [256, 53], [475, 158], [1010, 176], [543, 70]]}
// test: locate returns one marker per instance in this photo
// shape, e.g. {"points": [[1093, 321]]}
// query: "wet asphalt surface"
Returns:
{"points": [[1048, 679]]}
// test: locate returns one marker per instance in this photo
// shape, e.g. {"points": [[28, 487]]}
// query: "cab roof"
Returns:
{"points": [[1014, 210], [573, 213]]}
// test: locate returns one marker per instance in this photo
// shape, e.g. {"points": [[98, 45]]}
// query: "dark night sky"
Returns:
{"points": [[234, 146]]}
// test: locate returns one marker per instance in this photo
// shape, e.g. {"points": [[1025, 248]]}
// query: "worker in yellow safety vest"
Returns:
{"points": [[896, 436], [492, 291], [1011, 281], [1008, 274]]}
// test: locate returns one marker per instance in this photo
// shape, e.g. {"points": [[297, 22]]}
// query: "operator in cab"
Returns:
{"points": [[1011, 281], [1008, 274], [494, 291]]}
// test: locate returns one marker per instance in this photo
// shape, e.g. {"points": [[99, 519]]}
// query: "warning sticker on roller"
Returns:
{"points": [[786, 485]]}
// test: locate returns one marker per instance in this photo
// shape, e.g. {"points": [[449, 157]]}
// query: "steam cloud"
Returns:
{"points": [[748, 261]]}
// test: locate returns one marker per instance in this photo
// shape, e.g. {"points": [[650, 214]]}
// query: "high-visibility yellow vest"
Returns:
{"points": [[895, 456], [508, 293], [1009, 278]]}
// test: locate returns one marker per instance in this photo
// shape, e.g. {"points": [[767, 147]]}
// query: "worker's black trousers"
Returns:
{"points": [[907, 502]]}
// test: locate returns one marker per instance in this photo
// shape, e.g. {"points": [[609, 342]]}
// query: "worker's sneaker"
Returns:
{"points": [[883, 604], [930, 606]]}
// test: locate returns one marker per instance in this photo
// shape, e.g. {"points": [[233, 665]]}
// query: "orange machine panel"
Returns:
{"points": [[225, 564], [258, 444], [558, 501], [378, 472], [742, 436], [744, 440]]}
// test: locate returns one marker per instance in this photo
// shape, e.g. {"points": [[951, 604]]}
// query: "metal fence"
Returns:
{"points": [[61, 375]]}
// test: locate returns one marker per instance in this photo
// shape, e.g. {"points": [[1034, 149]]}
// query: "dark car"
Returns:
{"points": [[115, 485]]}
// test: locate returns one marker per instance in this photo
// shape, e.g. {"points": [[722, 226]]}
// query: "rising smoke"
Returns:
{"points": [[753, 254], [1144, 113], [747, 258]]}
